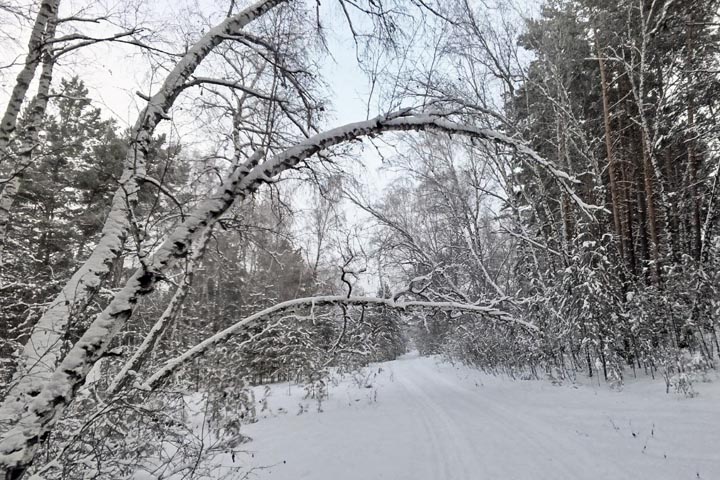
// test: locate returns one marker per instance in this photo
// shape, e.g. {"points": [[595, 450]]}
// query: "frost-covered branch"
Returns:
{"points": [[330, 300], [405, 120], [240, 86], [18, 447]]}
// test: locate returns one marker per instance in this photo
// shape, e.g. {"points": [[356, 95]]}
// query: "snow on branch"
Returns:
{"points": [[330, 300], [167, 318], [43, 352], [405, 120], [18, 446]]}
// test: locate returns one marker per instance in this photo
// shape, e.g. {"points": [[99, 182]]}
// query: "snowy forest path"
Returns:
{"points": [[416, 418], [476, 433]]}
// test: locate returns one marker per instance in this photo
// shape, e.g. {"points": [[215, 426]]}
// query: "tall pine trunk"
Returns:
{"points": [[612, 162], [692, 158]]}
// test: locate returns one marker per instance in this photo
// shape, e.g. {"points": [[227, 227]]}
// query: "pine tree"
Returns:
{"points": [[60, 207]]}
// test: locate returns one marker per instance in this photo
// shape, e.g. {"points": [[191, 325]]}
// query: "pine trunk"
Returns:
{"points": [[612, 167]]}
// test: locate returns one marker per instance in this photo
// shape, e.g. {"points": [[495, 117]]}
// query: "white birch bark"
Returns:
{"points": [[42, 352], [36, 117], [48, 10], [18, 446], [7, 199], [167, 318]]}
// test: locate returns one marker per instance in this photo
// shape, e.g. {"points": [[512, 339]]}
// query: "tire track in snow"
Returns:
{"points": [[451, 453], [430, 423], [508, 439], [566, 449]]}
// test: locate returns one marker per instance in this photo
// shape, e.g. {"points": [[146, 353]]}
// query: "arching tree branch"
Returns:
{"points": [[338, 300]]}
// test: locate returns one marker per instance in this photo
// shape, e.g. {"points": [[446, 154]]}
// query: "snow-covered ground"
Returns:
{"points": [[423, 419]]}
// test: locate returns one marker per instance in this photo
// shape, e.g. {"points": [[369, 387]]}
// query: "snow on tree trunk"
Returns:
{"points": [[42, 352], [7, 199], [18, 446], [404, 120], [48, 10], [166, 319], [37, 114]]}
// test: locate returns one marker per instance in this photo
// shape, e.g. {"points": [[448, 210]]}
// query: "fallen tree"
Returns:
{"points": [[43, 351]]}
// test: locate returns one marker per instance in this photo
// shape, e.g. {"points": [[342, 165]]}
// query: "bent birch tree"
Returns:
{"points": [[42, 352], [18, 446]]}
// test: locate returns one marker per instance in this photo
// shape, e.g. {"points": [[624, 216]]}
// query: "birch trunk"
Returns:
{"points": [[42, 352], [48, 10], [167, 318], [37, 114]]}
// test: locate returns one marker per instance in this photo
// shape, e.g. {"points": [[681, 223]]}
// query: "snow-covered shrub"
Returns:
{"points": [[154, 436], [683, 371]]}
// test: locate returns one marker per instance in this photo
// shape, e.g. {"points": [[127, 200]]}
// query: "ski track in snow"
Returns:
{"points": [[434, 421]]}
